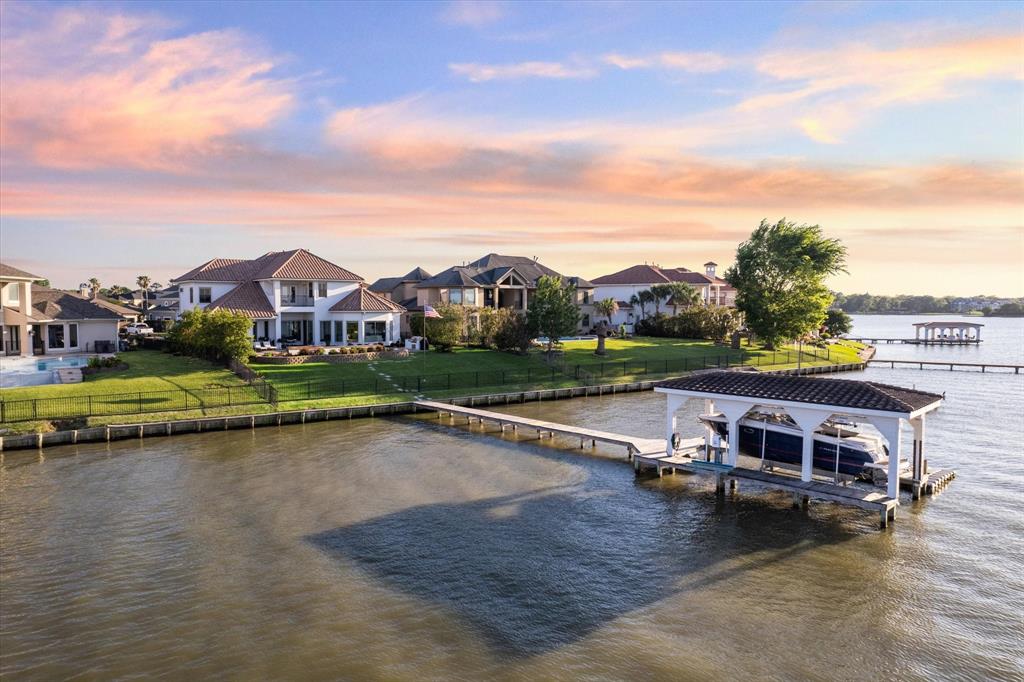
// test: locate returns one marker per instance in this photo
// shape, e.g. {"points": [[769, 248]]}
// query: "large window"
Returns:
{"points": [[191, 295], [352, 332], [455, 296], [586, 296], [470, 297], [55, 335], [291, 330], [339, 331], [374, 332], [73, 335], [205, 295], [322, 290], [325, 332], [585, 322]]}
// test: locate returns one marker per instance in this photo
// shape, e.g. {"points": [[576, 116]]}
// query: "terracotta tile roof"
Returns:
{"points": [[218, 270], [294, 264], [11, 271], [492, 267], [867, 395], [364, 300], [652, 274], [54, 304], [248, 299]]}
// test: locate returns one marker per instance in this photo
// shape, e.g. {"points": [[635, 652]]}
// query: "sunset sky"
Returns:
{"points": [[149, 137]]}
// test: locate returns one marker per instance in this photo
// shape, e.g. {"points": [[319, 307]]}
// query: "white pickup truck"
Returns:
{"points": [[138, 328]]}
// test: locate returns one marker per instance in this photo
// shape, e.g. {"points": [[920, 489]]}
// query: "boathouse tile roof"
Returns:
{"points": [[364, 300], [249, 299], [865, 395]]}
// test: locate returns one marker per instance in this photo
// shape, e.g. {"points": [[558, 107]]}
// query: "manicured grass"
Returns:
{"points": [[148, 370]]}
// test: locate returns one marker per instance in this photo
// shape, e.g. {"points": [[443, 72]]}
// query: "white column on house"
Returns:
{"points": [[672, 405], [733, 411], [524, 299], [808, 420], [362, 331], [24, 306]]}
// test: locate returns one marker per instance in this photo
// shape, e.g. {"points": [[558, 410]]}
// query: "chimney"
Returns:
{"points": [[84, 290], [709, 269]]}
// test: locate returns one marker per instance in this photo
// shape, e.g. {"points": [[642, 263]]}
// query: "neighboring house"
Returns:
{"points": [[623, 285], [38, 320], [402, 290], [126, 313], [293, 297], [496, 281], [164, 305]]}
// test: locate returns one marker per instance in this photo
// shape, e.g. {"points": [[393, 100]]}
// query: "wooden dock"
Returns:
{"points": [[802, 491], [649, 453], [914, 342], [921, 364], [633, 444]]}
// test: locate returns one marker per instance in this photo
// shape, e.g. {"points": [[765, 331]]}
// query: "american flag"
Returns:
{"points": [[430, 312]]}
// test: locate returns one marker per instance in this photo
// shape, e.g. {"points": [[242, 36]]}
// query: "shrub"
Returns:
{"points": [[217, 334], [512, 333]]}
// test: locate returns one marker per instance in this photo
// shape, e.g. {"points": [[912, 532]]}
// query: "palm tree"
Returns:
{"points": [[95, 284], [683, 295], [607, 307], [645, 297], [143, 282], [659, 292]]}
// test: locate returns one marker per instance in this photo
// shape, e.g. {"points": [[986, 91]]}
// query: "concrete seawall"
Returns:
{"points": [[98, 434]]}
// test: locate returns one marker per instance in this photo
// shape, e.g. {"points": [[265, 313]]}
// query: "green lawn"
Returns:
{"points": [[151, 389], [153, 382]]}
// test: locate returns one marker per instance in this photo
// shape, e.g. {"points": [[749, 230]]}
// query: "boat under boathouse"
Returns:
{"points": [[810, 403]]}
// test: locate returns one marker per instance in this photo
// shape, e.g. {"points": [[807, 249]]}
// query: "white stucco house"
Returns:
{"points": [[624, 284], [38, 320], [293, 297]]}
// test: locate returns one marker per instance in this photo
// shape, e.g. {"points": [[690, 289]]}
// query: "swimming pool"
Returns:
{"points": [[16, 372]]}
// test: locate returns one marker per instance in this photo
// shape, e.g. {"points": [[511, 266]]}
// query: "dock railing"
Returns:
{"points": [[259, 390]]}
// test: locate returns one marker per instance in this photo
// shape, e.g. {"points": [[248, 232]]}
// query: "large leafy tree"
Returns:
{"points": [[837, 323], [553, 311], [779, 276]]}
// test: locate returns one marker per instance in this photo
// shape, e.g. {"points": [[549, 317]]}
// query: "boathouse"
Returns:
{"points": [[809, 401], [948, 331]]}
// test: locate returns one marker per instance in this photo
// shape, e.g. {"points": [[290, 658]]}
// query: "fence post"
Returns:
{"points": [[419, 383], [229, 396], [35, 408], [140, 402], [449, 381], [90, 406]]}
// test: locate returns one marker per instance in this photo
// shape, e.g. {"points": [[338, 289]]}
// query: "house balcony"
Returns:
{"points": [[296, 300]]}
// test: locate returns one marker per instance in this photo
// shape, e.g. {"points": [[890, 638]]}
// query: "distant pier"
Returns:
{"points": [[951, 366]]}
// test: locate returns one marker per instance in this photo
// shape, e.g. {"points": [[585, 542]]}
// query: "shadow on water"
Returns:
{"points": [[533, 572]]}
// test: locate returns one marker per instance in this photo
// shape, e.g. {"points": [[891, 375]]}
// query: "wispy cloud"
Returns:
{"points": [[479, 73], [85, 89], [476, 13], [692, 62]]}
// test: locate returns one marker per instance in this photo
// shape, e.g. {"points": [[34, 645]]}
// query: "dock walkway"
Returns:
{"points": [[634, 445], [921, 364]]}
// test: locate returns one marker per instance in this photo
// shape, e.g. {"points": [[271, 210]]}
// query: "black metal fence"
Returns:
{"points": [[259, 391], [136, 402]]}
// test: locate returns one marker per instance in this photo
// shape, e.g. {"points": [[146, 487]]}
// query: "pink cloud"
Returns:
{"points": [[114, 93]]}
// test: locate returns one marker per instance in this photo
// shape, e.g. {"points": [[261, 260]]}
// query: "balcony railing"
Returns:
{"points": [[287, 298]]}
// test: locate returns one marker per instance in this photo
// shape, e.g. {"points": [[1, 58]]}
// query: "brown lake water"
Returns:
{"points": [[405, 549]]}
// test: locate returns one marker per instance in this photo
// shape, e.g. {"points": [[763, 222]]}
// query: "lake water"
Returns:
{"points": [[403, 549]]}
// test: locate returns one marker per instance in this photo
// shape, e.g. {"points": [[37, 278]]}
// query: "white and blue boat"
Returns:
{"points": [[842, 450]]}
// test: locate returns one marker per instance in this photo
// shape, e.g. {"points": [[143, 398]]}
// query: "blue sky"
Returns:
{"points": [[385, 136]]}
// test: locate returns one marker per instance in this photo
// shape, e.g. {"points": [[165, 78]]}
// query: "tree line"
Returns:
{"points": [[871, 303]]}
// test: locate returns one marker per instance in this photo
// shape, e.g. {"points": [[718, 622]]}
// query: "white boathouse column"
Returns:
{"points": [[917, 461], [808, 420], [709, 433], [890, 428], [733, 411], [672, 405]]}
